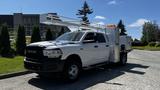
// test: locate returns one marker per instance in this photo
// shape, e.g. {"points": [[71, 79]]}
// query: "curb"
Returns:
{"points": [[3, 76]]}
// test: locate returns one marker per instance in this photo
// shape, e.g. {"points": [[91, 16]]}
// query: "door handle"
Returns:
{"points": [[107, 45], [96, 46]]}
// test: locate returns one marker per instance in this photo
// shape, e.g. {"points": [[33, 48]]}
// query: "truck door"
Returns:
{"points": [[103, 48], [90, 49]]}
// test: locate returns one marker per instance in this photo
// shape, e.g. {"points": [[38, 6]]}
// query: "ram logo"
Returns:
{"points": [[31, 51]]}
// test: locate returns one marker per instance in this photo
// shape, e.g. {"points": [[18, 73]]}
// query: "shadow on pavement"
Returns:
{"points": [[88, 78]]}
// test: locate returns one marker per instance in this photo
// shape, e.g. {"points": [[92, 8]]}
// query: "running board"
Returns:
{"points": [[96, 65]]}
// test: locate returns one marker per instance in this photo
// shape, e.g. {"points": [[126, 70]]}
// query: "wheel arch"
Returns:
{"points": [[74, 57], [123, 47]]}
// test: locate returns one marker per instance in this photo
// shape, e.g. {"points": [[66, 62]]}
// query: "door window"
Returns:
{"points": [[90, 36], [100, 38]]}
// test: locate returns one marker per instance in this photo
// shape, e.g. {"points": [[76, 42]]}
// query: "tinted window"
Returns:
{"points": [[89, 36], [100, 38]]}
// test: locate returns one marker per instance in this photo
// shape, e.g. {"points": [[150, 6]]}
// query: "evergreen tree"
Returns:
{"points": [[5, 42], [157, 32], [84, 12], [158, 35], [35, 35], [121, 27], [21, 41], [61, 32], [0, 37], [150, 32], [49, 35]]}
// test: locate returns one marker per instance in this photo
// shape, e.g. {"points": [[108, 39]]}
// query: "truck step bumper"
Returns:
{"points": [[49, 66]]}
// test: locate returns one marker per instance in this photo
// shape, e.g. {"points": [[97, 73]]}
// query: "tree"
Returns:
{"points": [[61, 32], [84, 12], [158, 35], [121, 27], [150, 32], [35, 35], [5, 42], [21, 41], [49, 35], [0, 37]]}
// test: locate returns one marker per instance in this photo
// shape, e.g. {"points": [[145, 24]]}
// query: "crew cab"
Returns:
{"points": [[74, 51]]}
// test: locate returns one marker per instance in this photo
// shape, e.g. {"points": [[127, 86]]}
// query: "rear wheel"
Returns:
{"points": [[123, 58]]}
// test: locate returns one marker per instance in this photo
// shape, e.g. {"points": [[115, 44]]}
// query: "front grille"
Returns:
{"points": [[32, 66], [34, 53]]}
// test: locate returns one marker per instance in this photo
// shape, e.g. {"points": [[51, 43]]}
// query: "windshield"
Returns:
{"points": [[71, 36]]}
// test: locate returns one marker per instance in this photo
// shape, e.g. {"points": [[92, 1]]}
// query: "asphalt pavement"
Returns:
{"points": [[142, 72]]}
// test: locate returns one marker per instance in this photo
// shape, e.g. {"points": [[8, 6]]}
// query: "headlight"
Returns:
{"points": [[52, 53]]}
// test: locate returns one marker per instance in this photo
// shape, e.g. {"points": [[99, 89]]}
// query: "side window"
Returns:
{"points": [[100, 38], [89, 36]]}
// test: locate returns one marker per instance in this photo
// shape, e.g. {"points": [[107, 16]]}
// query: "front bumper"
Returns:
{"points": [[48, 65]]}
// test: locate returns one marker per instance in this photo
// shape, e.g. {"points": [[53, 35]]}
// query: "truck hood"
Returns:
{"points": [[52, 43]]}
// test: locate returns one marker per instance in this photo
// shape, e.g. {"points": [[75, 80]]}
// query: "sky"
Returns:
{"points": [[134, 13]]}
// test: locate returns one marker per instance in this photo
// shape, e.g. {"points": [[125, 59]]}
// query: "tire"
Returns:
{"points": [[42, 75], [71, 71], [123, 58]]}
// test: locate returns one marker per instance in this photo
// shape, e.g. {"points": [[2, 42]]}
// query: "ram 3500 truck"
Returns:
{"points": [[74, 51]]}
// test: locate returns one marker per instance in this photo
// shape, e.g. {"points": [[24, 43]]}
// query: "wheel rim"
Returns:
{"points": [[73, 71]]}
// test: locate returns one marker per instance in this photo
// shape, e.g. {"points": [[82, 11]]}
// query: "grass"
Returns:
{"points": [[10, 65], [146, 48]]}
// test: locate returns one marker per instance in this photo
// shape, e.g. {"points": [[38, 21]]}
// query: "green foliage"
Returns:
{"points": [[150, 33], [84, 12], [35, 35], [0, 38], [11, 65], [49, 35], [152, 44], [21, 41], [157, 44], [137, 42], [146, 48], [158, 35], [121, 27], [5, 42]]}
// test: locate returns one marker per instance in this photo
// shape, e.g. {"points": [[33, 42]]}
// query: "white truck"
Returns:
{"points": [[74, 51]]}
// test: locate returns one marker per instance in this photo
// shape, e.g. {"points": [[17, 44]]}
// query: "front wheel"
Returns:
{"points": [[123, 58], [71, 71]]}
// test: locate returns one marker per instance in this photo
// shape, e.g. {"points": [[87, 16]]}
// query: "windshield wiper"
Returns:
{"points": [[71, 43]]}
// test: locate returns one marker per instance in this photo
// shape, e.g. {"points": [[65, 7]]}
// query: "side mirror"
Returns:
{"points": [[88, 41]]}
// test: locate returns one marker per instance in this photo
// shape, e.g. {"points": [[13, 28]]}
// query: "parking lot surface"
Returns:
{"points": [[142, 72]]}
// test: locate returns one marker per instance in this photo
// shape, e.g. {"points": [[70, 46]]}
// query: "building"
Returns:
{"points": [[29, 21], [26, 20], [7, 20]]}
